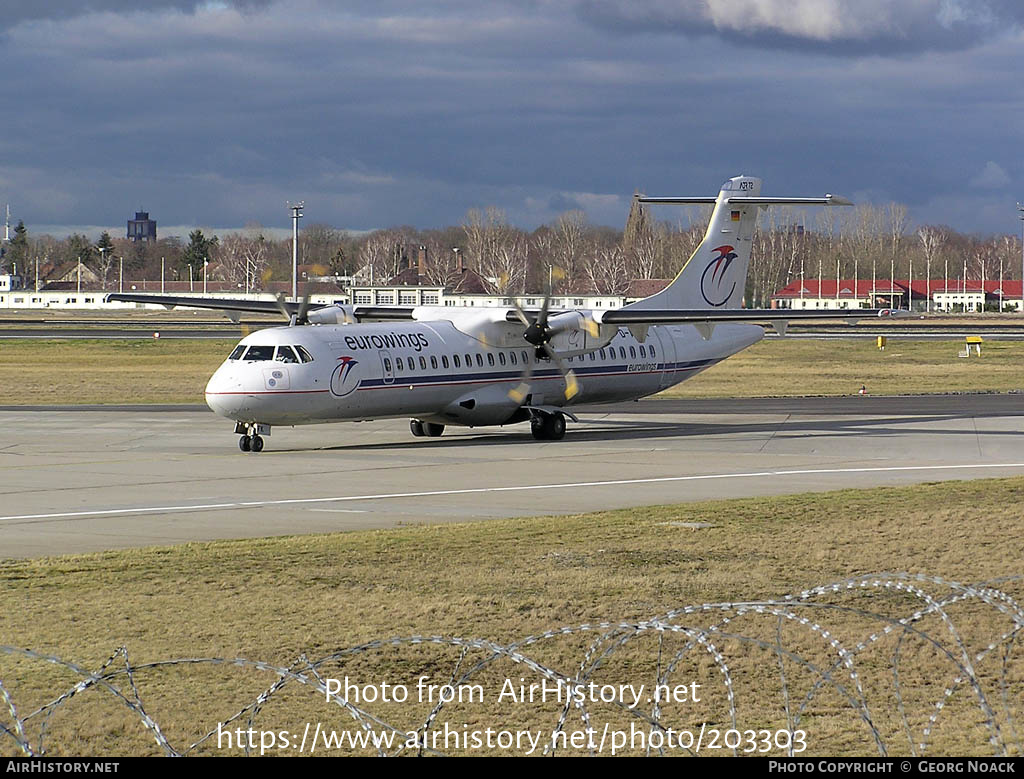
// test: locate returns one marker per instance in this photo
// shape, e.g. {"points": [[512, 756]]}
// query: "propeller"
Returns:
{"points": [[299, 318], [539, 333]]}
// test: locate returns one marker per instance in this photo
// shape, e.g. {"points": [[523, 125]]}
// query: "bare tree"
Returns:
{"points": [[931, 240], [569, 229], [505, 267], [608, 269]]}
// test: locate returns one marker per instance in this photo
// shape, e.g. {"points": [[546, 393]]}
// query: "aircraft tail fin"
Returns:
{"points": [[715, 275]]}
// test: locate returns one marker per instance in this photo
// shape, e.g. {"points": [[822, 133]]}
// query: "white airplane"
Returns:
{"points": [[475, 367]]}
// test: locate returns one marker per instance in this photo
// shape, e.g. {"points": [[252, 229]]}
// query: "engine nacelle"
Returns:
{"points": [[332, 315]]}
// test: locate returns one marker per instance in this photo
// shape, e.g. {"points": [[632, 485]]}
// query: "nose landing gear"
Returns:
{"points": [[251, 440]]}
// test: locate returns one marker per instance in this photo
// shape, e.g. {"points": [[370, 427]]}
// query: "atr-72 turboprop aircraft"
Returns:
{"points": [[496, 366]]}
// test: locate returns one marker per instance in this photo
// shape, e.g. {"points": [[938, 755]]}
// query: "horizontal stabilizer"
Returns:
{"points": [[677, 200], [828, 200]]}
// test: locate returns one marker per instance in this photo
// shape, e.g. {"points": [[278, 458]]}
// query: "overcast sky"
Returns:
{"points": [[397, 112]]}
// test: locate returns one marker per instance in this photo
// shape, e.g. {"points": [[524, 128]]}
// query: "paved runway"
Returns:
{"points": [[86, 480]]}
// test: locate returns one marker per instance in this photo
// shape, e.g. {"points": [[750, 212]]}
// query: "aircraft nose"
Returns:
{"points": [[224, 395]]}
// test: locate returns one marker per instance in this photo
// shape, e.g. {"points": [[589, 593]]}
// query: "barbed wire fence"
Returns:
{"points": [[795, 630]]}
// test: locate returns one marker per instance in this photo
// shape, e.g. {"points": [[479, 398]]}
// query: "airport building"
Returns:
{"points": [[921, 295]]}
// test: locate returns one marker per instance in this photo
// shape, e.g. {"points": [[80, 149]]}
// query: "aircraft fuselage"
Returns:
{"points": [[436, 372]]}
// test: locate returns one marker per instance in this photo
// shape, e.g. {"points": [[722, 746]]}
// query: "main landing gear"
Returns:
{"points": [[429, 429], [251, 441], [548, 426]]}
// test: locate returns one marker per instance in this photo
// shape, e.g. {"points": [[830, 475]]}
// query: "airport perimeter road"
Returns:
{"points": [[87, 480]]}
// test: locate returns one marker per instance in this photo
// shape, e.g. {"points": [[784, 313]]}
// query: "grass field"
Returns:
{"points": [[274, 600], [176, 371]]}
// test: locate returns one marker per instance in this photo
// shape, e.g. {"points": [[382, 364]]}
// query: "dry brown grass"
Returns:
{"points": [[108, 371], [802, 366], [502, 580]]}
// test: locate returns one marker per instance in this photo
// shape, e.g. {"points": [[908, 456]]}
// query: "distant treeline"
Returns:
{"points": [[853, 242]]}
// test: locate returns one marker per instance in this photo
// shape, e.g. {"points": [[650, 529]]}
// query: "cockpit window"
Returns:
{"points": [[237, 353], [259, 353], [286, 354], [303, 354]]}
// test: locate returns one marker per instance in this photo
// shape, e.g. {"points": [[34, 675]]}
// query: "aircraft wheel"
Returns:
{"points": [[244, 443], [432, 429], [416, 427], [549, 427], [257, 443], [556, 427]]}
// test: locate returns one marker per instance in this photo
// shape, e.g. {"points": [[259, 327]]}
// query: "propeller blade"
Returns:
{"points": [[572, 385], [521, 390], [301, 318], [279, 299], [520, 313], [542, 318]]}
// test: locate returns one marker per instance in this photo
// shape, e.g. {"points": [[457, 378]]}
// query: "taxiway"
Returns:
{"points": [[81, 480]]}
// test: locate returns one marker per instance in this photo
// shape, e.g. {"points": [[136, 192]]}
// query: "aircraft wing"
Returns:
{"points": [[218, 304], [623, 317], [360, 313]]}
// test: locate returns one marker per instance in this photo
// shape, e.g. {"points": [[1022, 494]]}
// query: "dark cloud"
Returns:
{"points": [[400, 112], [838, 27], [13, 12]]}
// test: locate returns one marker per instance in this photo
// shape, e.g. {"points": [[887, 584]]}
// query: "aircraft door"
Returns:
{"points": [[387, 366], [666, 354]]}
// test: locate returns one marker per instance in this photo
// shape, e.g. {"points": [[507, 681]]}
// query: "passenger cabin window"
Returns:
{"points": [[513, 356], [398, 364], [286, 354], [501, 357], [490, 358], [444, 361], [652, 352], [458, 362], [259, 353], [387, 365], [423, 363], [643, 350], [433, 362], [632, 352], [479, 360]]}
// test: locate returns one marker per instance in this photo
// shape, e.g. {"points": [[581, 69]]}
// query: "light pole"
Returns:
{"points": [[102, 249], [1020, 210], [296, 216], [205, 263]]}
